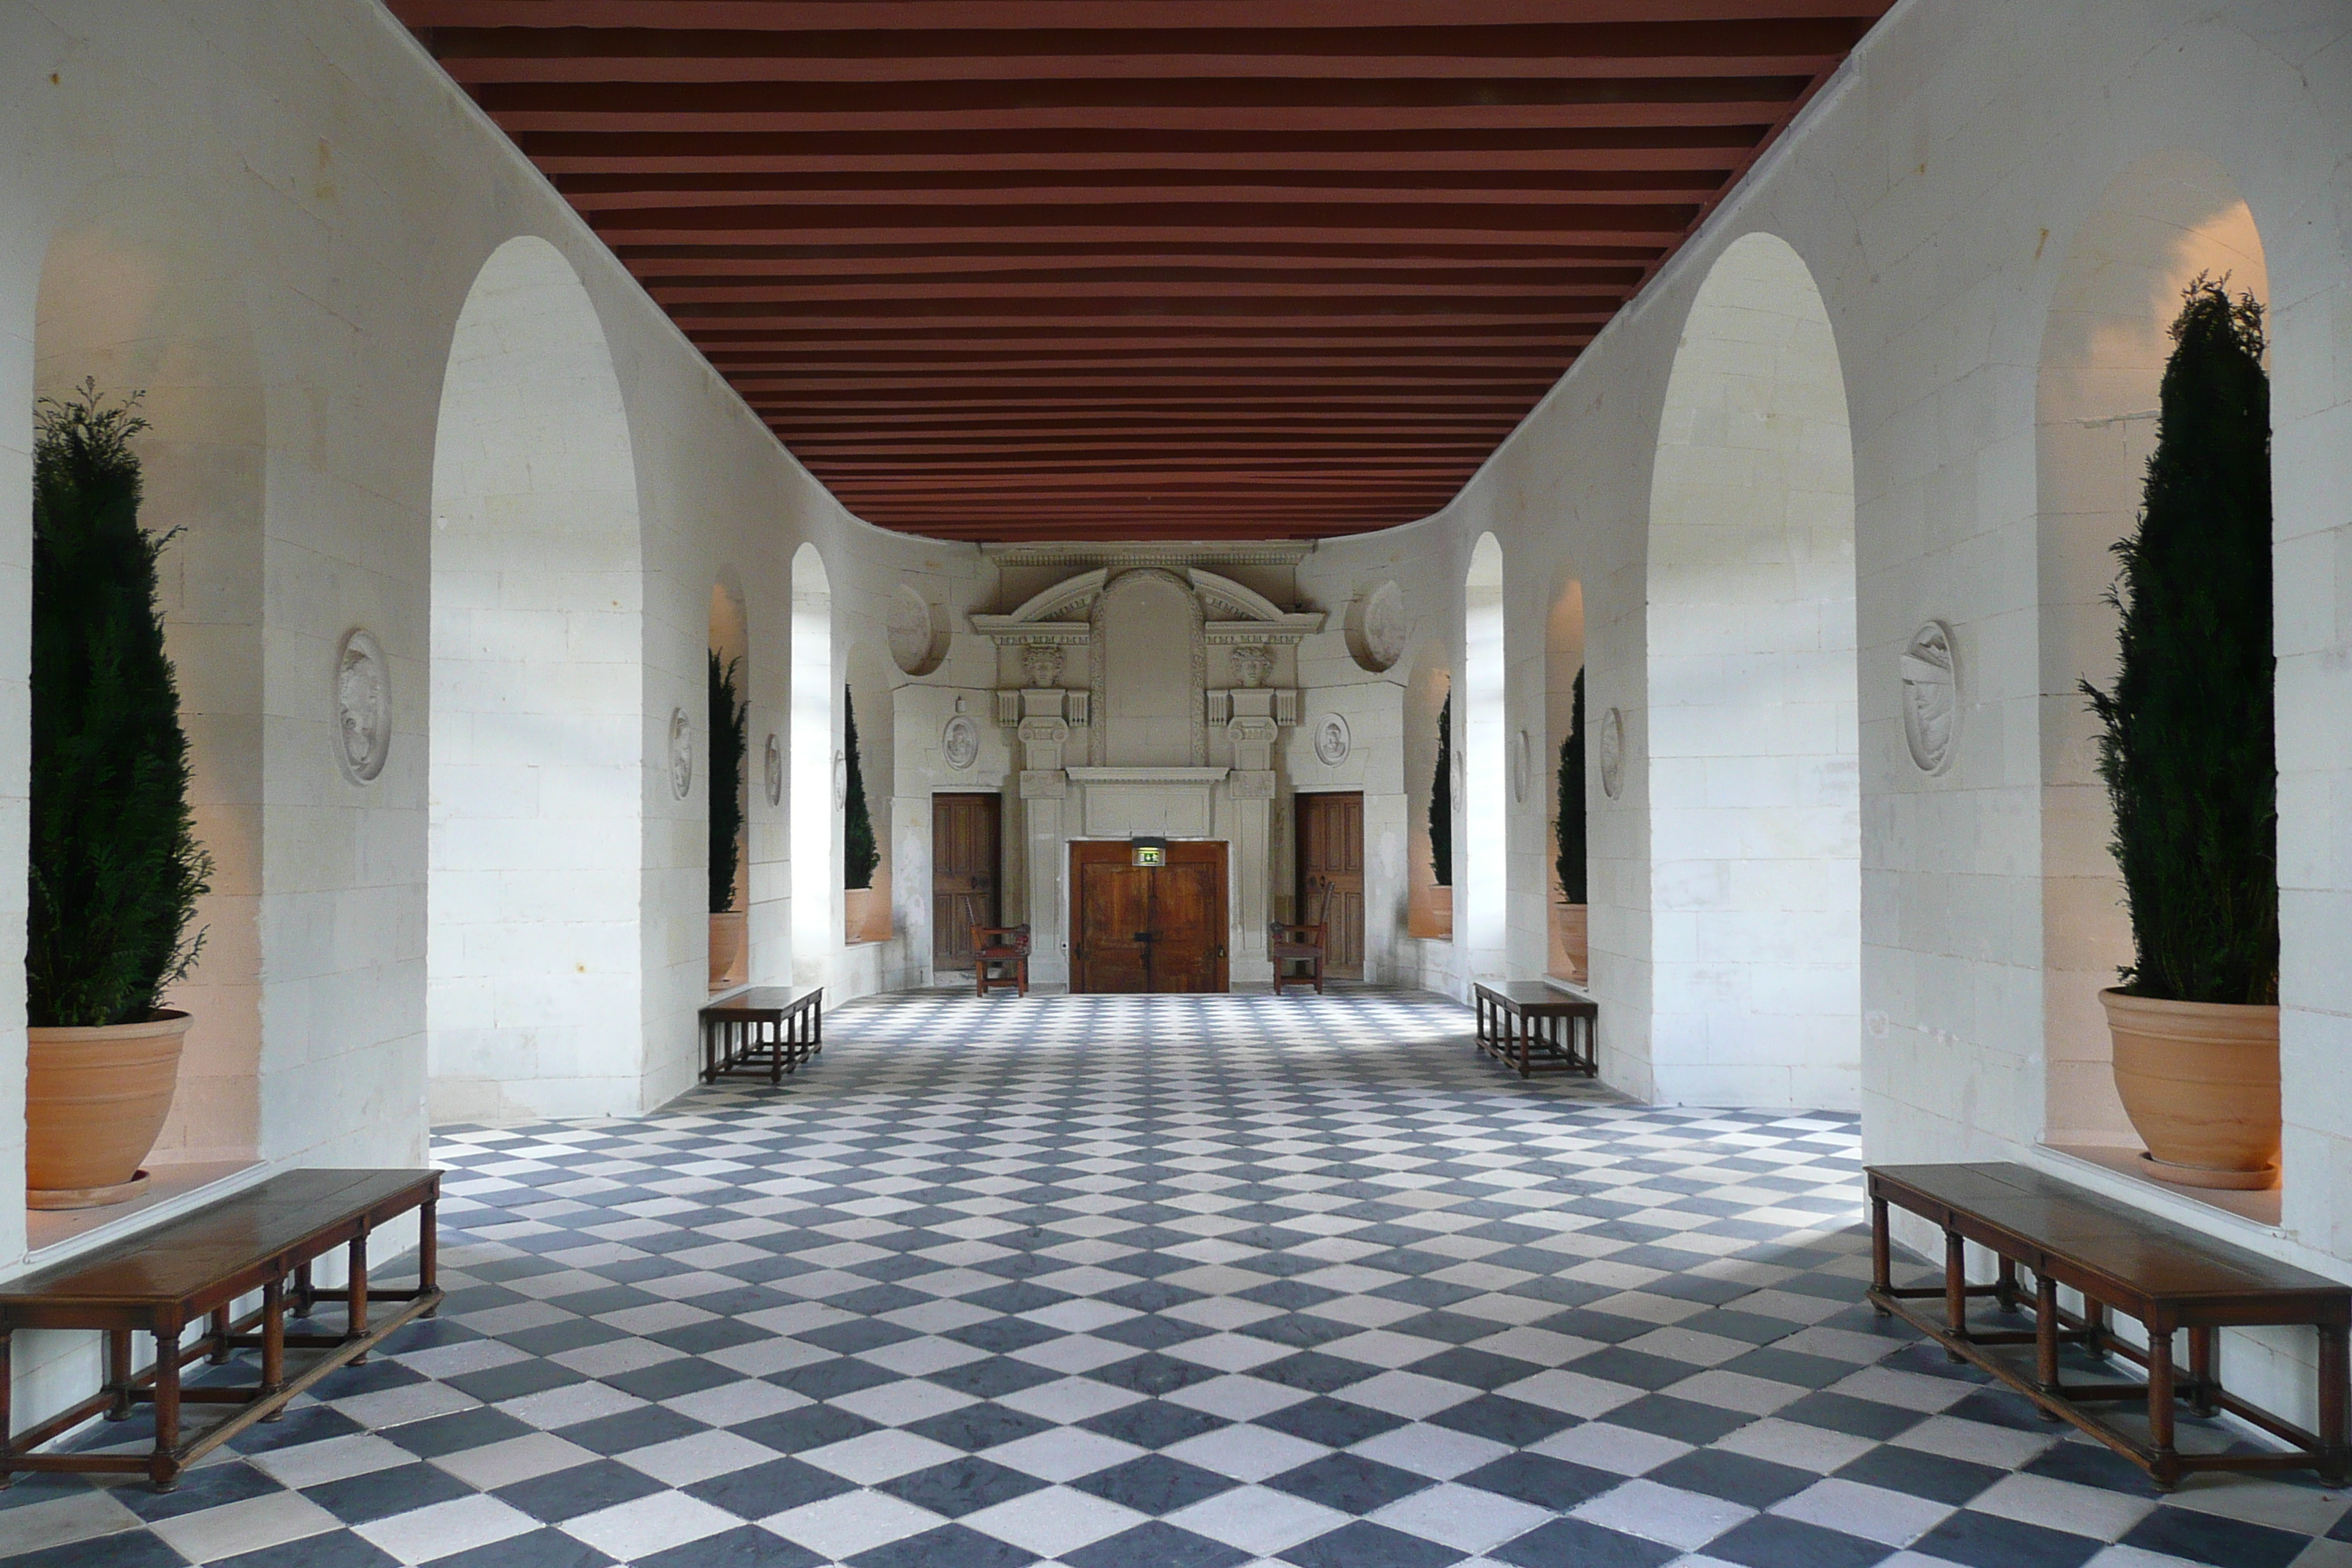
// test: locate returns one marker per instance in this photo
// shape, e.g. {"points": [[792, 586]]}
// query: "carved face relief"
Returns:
{"points": [[1613, 754], [1252, 665], [1042, 663], [1931, 698], [681, 753], [1332, 741], [774, 761], [363, 707], [959, 742]]}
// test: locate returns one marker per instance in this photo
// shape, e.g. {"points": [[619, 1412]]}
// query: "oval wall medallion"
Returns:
{"points": [[1522, 764], [1931, 697], [1332, 741], [681, 753], [912, 638], [362, 706], [840, 780], [774, 761], [960, 741], [1613, 754], [1381, 628]]}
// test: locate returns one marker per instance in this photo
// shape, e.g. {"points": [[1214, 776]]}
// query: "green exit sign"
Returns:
{"points": [[1148, 851]]}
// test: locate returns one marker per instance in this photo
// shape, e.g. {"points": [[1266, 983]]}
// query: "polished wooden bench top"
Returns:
{"points": [[765, 1000], [188, 1258], [1534, 995], [2127, 1255]]}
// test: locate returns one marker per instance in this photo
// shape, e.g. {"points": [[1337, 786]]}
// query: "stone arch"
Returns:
{"points": [[815, 727], [539, 777], [1752, 750], [2157, 224], [139, 292], [1481, 879]]}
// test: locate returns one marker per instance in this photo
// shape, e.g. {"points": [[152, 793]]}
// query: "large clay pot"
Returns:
{"points": [[1429, 914], [731, 948], [866, 915], [2201, 1082], [1570, 942], [95, 1100]]}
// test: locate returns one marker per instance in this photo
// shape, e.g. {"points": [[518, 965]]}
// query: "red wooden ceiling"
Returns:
{"points": [[1034, 269]]}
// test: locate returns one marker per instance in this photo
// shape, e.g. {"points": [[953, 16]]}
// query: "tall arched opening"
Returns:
{"points": [[2104, 344], [1481, 898], [535, 969], [815, 808], [728, 865], [1566, 875], [1754, 781]]}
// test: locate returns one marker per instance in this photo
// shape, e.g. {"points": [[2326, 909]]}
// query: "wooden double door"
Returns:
{"points": [[1331, 878], [1140, 928]]}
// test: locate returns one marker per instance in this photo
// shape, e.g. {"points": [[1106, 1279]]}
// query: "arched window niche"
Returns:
{"points": [[815, 809], [1754, 781], [1481, 880], [2156, 226]]}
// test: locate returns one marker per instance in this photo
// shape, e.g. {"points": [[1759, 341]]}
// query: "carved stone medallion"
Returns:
{"points": [[1381, 628], [774, 761], [362, 706], [1332, 741], [1931, 697], [911, 634], [681, 753], [1252, 665], [840, 780], [1613, 754], [1522, 766], [1042, 663], [959, 742]]}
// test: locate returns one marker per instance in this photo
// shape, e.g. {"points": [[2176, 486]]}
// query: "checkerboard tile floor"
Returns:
{"points": [[1172, 1282]]}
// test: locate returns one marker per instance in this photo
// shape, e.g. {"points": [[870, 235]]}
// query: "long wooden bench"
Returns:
{"points": [[2168, 1277], [765, 1032], [187, 1271], [1532, 1028]]}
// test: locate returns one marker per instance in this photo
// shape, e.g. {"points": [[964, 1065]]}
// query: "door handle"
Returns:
{"points": [[1140, 936]]}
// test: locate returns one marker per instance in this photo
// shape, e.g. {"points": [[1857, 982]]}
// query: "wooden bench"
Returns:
{"points": [[764, 1032], [1532, 1028], [2168, 1277], [186, 1270]]}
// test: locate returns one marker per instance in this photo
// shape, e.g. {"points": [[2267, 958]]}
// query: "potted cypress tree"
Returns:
{"points": [[115, 867], [729, 939], [1572, 949], [2188, 755], [1430, 912], [866, 912]]}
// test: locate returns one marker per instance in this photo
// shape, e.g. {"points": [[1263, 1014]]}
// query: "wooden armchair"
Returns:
{"points": [[1290, 943], [1005, 947]]}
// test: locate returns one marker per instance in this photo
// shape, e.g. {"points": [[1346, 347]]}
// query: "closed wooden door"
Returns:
{"points": [[963, 874], [1331, 878], [1157, 929]]}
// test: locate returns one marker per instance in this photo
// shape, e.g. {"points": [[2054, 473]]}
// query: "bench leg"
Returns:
{"points": [[2004, 1288], [2166, 1470], [273, 1342], [2334, 1363], [306, 1294], [1882, 1271], [2094, 1328], [355, 1322], [222, 1350], [7, 1416], [1955, 1289], [2045, 1337], [164, 1469], [428, 1251], [2200, 1371], [118, 1374]]}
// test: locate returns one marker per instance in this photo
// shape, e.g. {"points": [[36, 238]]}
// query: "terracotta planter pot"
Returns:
{"points": [[95, 1100], [866, 915], [2201, 1082], [1429, 914], [1570, 941], [731, 948]]}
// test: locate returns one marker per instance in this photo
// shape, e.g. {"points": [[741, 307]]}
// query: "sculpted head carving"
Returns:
{"points": [[1252, 665], [363, 707], [1931, 697], [1042, 663]]}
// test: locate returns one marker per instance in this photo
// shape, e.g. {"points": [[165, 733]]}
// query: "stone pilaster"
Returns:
{"points": [[1045, 800]]}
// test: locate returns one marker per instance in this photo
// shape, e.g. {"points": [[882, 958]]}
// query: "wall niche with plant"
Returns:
{"points": [[730, 924], [114, 866]]}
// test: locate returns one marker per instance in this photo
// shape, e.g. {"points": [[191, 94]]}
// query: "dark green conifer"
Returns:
{"points": [[2188, 751], [1569, 827], [858, 854], [1440, 800], [115, 867], [729, 715]]}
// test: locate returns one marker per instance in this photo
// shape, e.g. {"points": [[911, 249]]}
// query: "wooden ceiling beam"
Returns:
{"points": [[924, 16]]}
